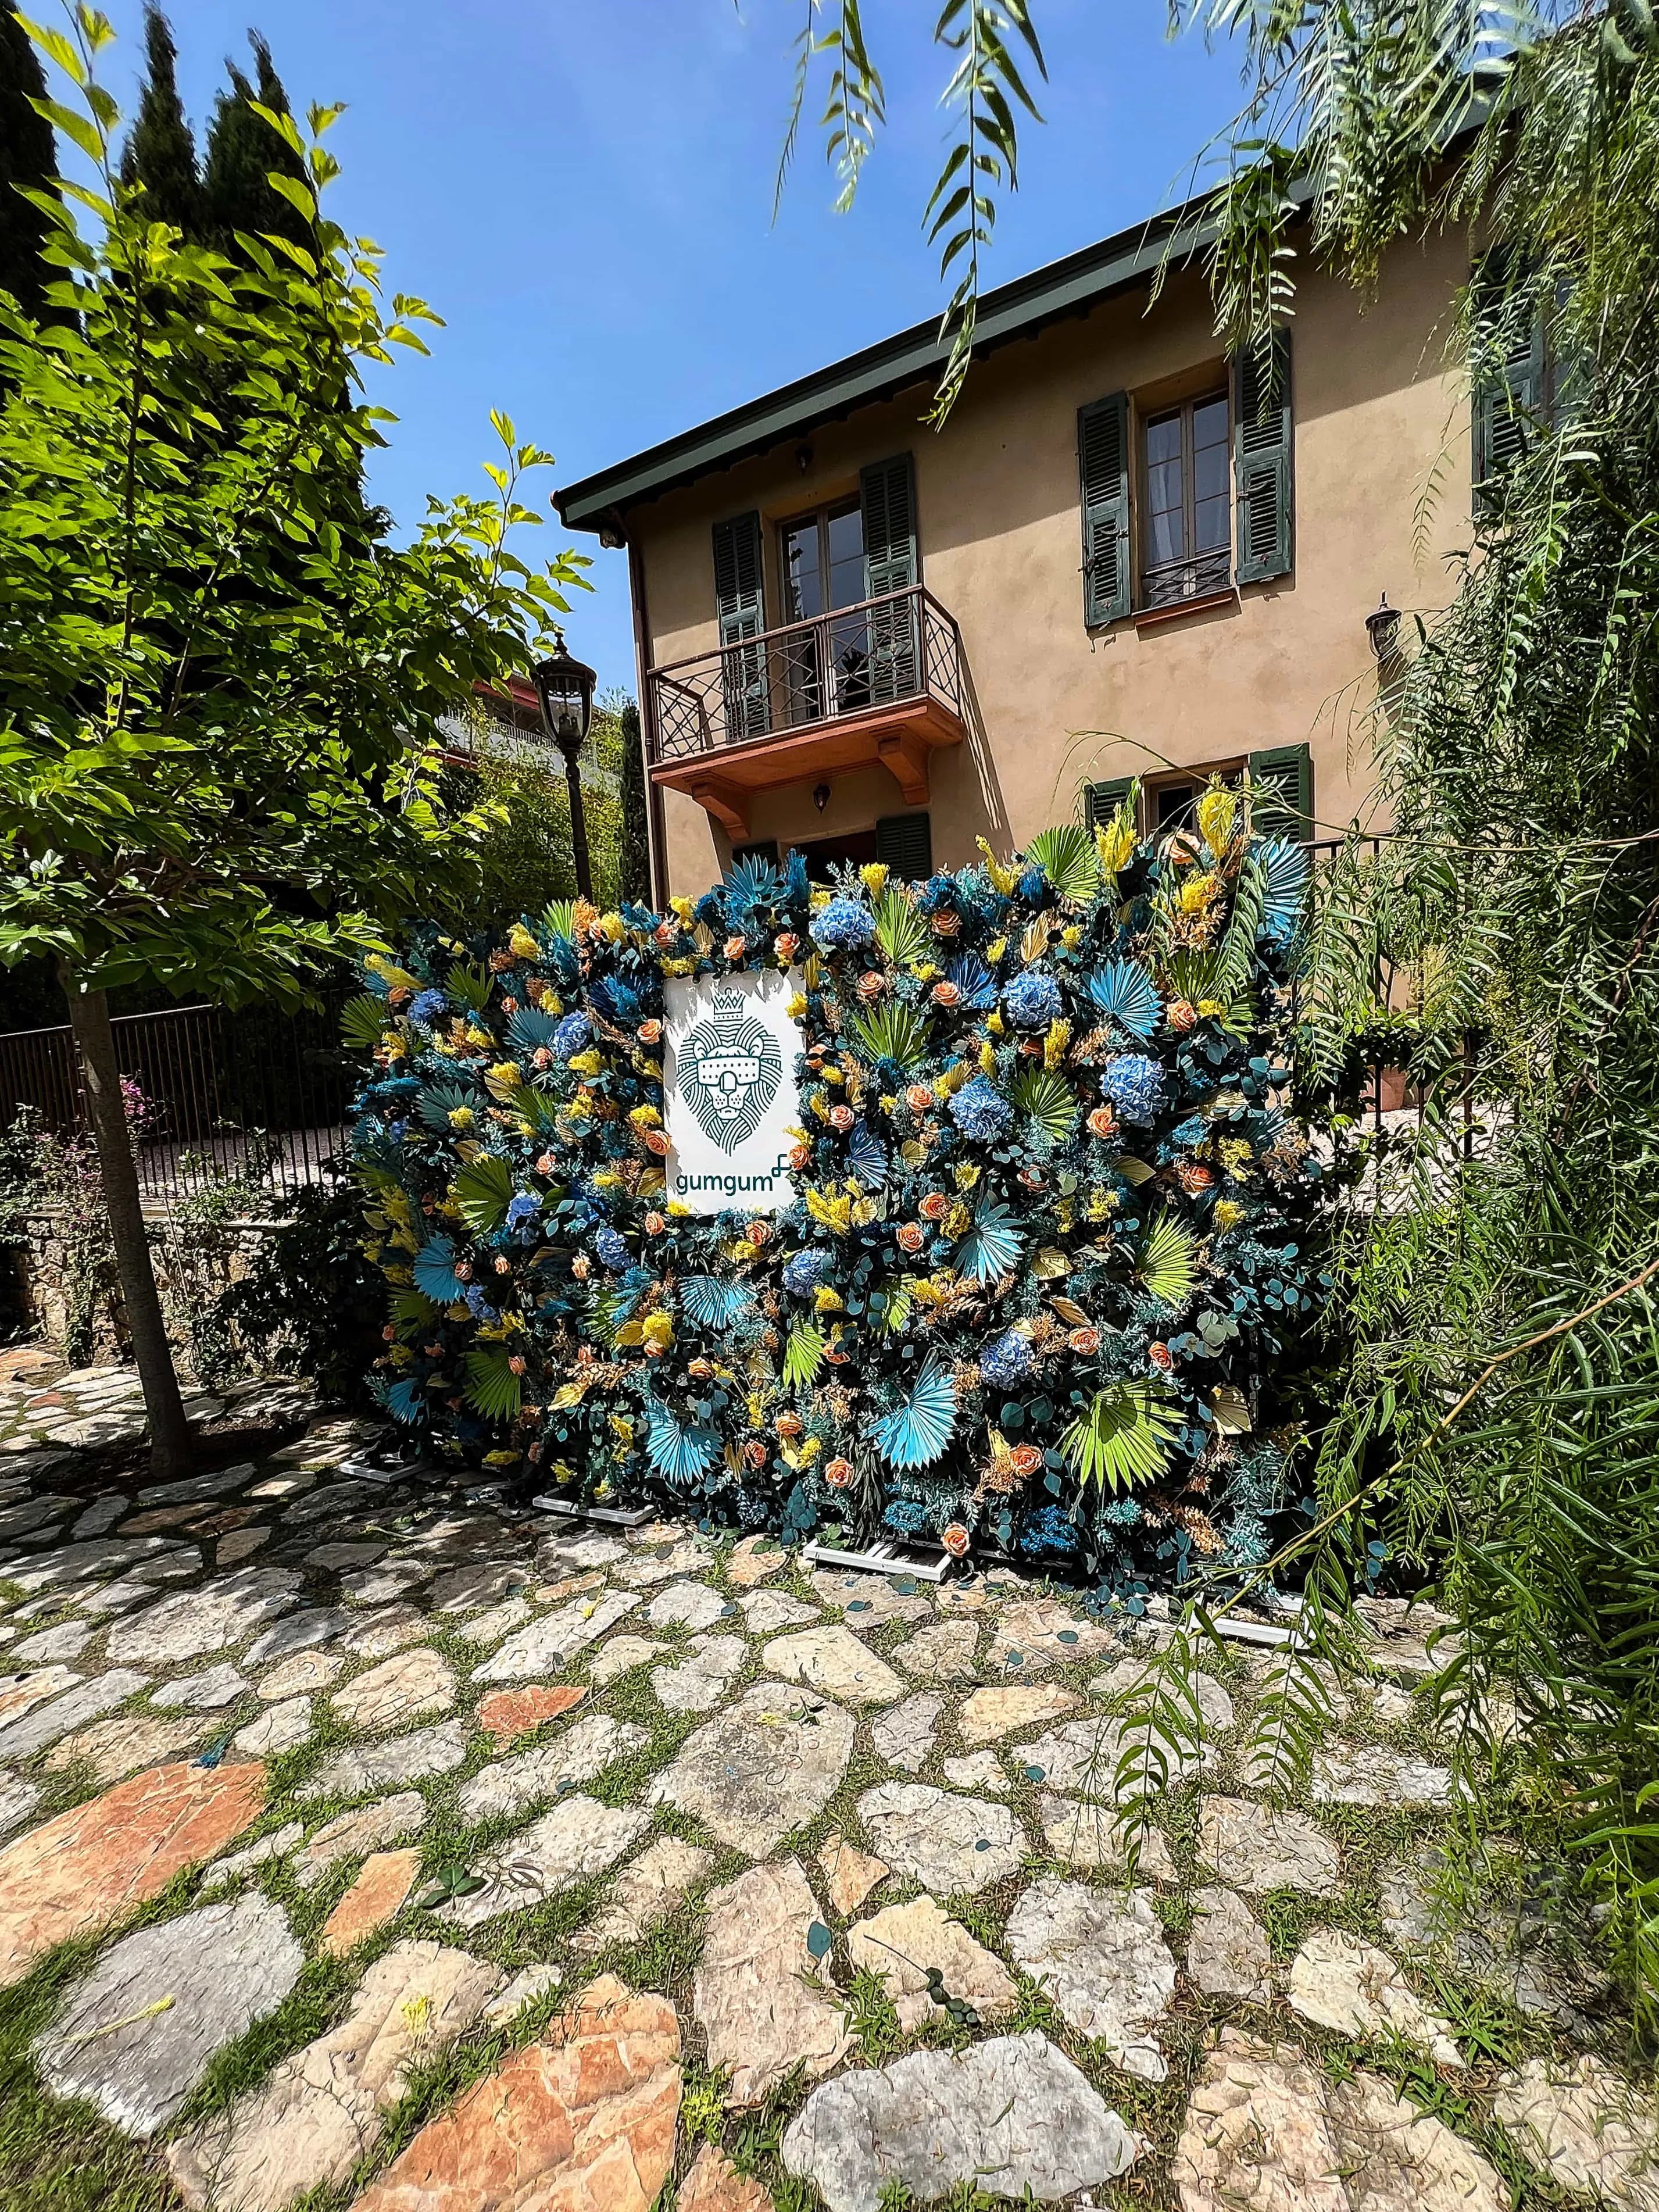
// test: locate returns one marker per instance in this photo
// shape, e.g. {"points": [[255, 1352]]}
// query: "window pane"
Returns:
{"points": [[1212, 520], [846, 557], [803, 585], [1166, 523], [1173, 804]]}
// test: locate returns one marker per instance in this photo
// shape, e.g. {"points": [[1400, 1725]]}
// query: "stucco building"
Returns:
{"points": [[1123, 556]]}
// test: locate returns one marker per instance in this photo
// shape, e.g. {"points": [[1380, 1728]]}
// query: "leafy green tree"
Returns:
{"points": [[160, 154], [218, 685], [242, 151], [29, 162], [636, 856]]}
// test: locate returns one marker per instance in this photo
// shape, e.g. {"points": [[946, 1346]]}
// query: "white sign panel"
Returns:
{"points": [[729, 1093]]}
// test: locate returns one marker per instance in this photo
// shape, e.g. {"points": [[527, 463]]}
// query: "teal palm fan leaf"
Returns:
{"points": [[916, 1432], [1127, 995], [1124, 1438], [993, 1245], [433, 1270], [531, 1027], [1067, 857], [439, 1100], [362, 1020], [484, 1189], [469, 987], [1285, 872], [678, 1454], [803, 1356], [900, 930], [707, 1302], [866, 1157], [1050, 1099], [492, 1388], [1167, 1262], [893, 1031]]}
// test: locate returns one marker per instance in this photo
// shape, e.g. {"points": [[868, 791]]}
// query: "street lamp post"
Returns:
{"points": [[564, 687]]}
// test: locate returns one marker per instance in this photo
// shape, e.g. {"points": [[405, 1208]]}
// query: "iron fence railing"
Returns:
{"points": [[257, 1094], [886, 652]]}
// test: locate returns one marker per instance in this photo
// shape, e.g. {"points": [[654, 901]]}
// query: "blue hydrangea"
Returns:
{"points": [[1032, 885], [1032, 999], [1007, 1361], [479, 1305], [842, 924], [1050, 1528], [1134, 1084], [522, 1207], [1122, 1512], [611, 1247], [573, 1035], [427, 1007], [804, 1271], [981, 1111], [907, 1516]]}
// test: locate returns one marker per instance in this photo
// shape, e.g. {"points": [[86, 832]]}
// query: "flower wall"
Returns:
{"points": [[1049, 1235]]}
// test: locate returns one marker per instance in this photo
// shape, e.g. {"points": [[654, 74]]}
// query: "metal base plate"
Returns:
{"points": [[608, 1516], [882, 1559]]}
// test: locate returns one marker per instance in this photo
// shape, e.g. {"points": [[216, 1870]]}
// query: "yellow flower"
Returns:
{"points": [[864, 1212], [579, 1106], [835, 1213], [461, 1117], [1116, 844], [959, 1221], [682, 910], [677, 967], [606, 1179], [987, 1058], [994, 951], [833, 1075], [1198, 894], [994, 1023], [585, 1063], [1216, 812], [476, 1036], [644, 1117], [1004, 878], [1054, 1044], [678, 1208], [889, 1105], [611, 926], [623, 1428], [1071, 937], [1228, 1213], [828, 1300], [924, 971], [522, 944], [658, 1330], [873, 876], [797, 1007], [966, 1172]]}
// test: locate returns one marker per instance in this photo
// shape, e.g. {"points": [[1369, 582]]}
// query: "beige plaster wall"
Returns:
{"points": [[1376, 408]]}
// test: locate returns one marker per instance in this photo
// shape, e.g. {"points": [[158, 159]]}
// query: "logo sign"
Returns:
{"points": [[729, 1091]]}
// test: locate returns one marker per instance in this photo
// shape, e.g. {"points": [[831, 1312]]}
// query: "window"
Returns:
{"points": [[1212, 488], [1281, 778], [1187, 537], [821, 559], [1521, 384]]}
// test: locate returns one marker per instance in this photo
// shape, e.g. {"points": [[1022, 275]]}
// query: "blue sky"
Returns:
{"points": [[585, 193]]}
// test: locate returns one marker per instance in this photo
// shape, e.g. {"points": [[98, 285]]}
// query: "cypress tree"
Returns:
{"points": [[28, 159], [242, 151], [635, 855], [160, 154]]}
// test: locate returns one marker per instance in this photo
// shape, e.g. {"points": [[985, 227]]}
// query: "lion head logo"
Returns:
{"points": [[729, 1069]]}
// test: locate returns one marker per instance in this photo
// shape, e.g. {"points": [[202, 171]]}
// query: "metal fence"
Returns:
{"points": [[257, 1094]]}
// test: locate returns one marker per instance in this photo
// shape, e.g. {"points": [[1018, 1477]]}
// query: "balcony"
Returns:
{"points": [[879, 683]]}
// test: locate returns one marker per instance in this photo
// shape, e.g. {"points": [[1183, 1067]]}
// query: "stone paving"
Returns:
{"points": [[421, 1855]]}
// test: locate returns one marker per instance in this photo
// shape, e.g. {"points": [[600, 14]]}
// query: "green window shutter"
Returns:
{"points": [[892, 564], [1264, 443], [740, 596], [905, 842], [1283, 778], [1509, 381], [1102, 457], [1101, 801]]}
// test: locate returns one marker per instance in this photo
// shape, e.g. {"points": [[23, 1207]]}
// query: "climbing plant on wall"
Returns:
{"points": [[1049, 1230]]}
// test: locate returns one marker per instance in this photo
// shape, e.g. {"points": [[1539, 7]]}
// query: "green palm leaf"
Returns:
{"points": [[1048, 1099], [363, 1019], [900, 930], [483, 1190], [803, 1356], [1166, 1267], [472, 986], [559, 918], [894, 1032], [1123, 1440], [492, 1387], [1066, 855]]}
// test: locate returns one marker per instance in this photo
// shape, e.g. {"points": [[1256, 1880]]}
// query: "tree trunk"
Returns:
{"points": [[169, 1432]]}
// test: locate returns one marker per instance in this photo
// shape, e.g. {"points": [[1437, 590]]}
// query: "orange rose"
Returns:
{"points": [[946, 994], [946, 924], [1181, 1014], [655, 1224], [649, 1032], [1102, 1122], [789, 1425], [956, 1540], [919, 1098], [908, 1235], [1194, 1177], [509, 1005], [1085, 1341], [517, 1365], [654, 1140], [800, 1157], [1027, 1459], [759, 1232], [666, 932], [838, 1473], [581, 1267], [842, 1118], [545, 1164], [1161, 1357], [934, 1207], [786, 944], [871, 985], [736, 947], [503, 1265], [699, 1370], [755, 1452]]}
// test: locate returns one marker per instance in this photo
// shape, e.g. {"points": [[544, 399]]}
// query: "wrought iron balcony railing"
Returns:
{"points": [[885, 653]]}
